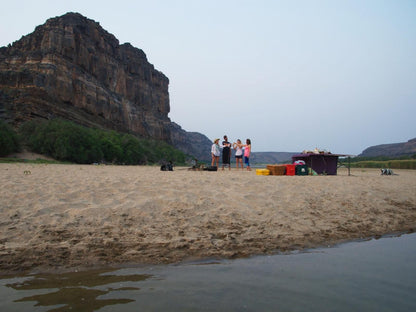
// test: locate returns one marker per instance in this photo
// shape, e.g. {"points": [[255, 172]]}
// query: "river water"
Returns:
{"points": [[373, 275]]}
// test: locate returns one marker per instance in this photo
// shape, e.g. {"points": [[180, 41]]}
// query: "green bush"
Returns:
{"points": [[392, 164], [67, 141], [9, 142]]}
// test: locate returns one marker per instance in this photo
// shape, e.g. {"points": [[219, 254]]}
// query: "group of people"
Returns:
{"points": [[241, 150]]}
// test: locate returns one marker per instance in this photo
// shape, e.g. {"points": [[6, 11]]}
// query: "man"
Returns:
{"points": [[226, 153]]}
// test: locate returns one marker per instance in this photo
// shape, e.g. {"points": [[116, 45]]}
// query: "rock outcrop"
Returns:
{"points": [[191, 143], [71, 68]]}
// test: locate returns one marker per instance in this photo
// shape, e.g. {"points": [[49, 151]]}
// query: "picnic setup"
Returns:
{"points": [[314, 162]]}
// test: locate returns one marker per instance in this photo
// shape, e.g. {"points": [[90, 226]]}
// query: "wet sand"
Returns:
{"points": [[62, 217]]}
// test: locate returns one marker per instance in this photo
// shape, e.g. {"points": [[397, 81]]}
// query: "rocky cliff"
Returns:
{"points": [[70, 67], [391, 150]]}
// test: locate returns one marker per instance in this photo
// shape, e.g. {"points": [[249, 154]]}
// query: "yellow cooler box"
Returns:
{"points": [[262, 172]]}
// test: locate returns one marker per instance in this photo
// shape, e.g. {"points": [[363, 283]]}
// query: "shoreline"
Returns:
{"points": [[66, 217]]}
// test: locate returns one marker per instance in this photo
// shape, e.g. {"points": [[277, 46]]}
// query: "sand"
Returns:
{"points": [[66, 217]]}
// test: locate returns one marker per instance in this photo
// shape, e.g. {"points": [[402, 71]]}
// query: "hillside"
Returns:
{"points": [[272, 157], [391, 150]]}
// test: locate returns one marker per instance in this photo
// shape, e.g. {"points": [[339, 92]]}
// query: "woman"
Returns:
{"points": [[238, 153], [215, 152]]}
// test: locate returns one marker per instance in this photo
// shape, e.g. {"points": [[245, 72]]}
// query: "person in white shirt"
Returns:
{"points": [[238, 146], [215, 152]]}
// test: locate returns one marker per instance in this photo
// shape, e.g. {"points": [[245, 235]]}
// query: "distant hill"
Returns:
{"points": [[272, 157], [391, 150]]}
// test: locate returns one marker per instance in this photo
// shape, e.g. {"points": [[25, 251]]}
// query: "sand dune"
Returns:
{"points": [[57, 217]]}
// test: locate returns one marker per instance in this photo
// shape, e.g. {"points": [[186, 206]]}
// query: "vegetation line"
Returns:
{"points": [[66, 141]]}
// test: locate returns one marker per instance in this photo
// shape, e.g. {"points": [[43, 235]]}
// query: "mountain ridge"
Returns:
{"points": [[391, 149]]}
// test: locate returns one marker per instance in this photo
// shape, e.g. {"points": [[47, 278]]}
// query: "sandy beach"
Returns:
{"points": [[65, 217]]}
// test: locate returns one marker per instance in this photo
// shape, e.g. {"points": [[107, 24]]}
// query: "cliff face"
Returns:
{"points": [[70, 67]]}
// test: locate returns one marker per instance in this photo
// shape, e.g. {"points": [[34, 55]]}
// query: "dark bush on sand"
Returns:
{"points": [[9, 142]]}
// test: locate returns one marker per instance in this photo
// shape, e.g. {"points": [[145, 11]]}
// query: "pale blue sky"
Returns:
{"points": [[290, 75]]}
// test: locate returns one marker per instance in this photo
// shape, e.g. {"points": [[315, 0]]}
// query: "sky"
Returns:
{"points": [[337, 75]]}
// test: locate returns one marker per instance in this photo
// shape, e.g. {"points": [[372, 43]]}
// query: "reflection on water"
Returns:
{"points": [[75, 279], [376, 275], [76, 290], [74, 299]]}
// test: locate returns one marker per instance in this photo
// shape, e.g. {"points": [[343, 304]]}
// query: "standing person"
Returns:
{"points": [[215, 152], [247, 152], [226, 153], [238, 153]]}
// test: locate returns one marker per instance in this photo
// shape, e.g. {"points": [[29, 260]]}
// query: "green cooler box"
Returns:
{"points": [[301, 170]]}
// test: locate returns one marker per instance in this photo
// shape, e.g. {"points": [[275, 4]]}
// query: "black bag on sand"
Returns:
{"points": [[211, 168], [167, 167]]}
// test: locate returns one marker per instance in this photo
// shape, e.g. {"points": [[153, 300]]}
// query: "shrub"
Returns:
{"points": [[392, 164], [9, 142]]}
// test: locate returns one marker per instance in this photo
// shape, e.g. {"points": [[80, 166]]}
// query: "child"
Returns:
{"points": [[247, 152]]}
